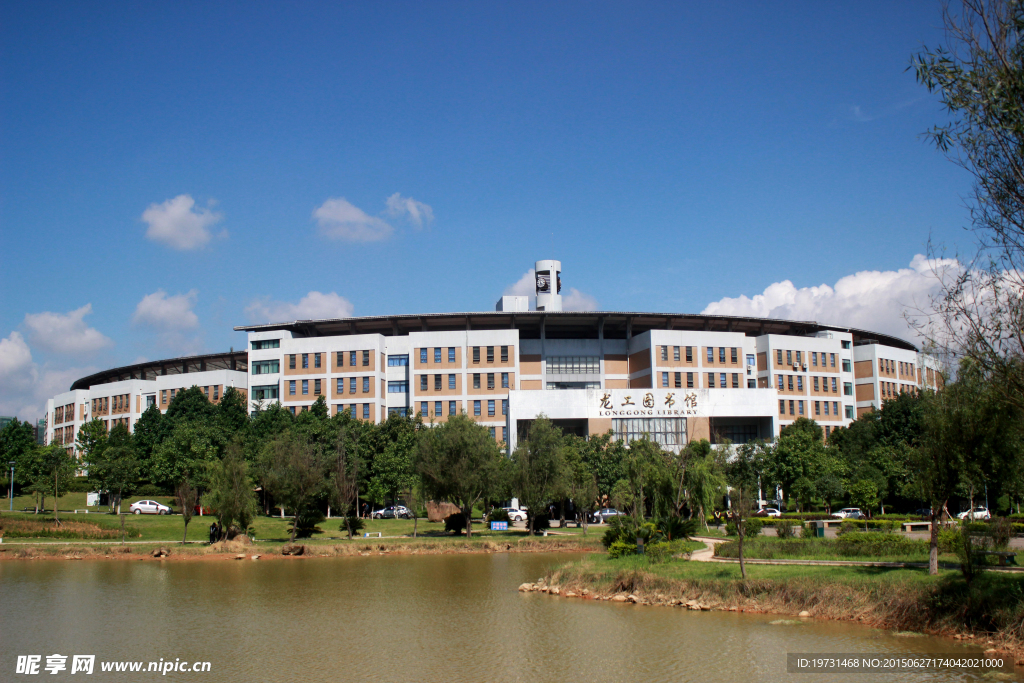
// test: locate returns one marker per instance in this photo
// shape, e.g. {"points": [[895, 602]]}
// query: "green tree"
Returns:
{"points": [[742, 474], [116, 472], [799, 453], [580, 483], [18, 445], [297, 478], [864, 494], [646, 471], [344, 483], [59, 467], [458, 461], [705, 483], [185, 452], [231, 492], [232, 412], [539, 467], [186, 496]]}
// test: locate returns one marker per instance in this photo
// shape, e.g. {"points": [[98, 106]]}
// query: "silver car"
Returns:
{"points": [[604, 514], [148, 507]]}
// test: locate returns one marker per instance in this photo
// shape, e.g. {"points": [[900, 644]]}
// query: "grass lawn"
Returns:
{"points": [[899, 549], [76, 501]]}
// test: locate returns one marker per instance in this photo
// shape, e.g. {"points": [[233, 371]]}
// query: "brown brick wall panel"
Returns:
{"points": [[864, 392], [641, 360], [614, 364]]}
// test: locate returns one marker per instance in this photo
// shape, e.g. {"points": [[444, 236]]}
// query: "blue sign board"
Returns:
{"points": [[499, 526]]}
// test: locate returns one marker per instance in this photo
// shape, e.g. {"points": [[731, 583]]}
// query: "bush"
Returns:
{"points": [[498, 515], [356, 523], [1002, 530], [751, 527], [676, 528], [784, 529], [621, 549], [949, 540], [150, 491], [808, 531], [659, 552], [455, 522], [624, 529]]}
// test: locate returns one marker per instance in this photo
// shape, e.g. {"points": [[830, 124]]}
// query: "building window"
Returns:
{"points": [[501, 433], [817, 407], [735, 356], [265, 367], [711, 355], [476, 380], [800, 407], [799, 383], [423, 355], [664, 379], [352, 410], [779, 381], [263, 393], [451, 354], [305, 360], [476, 354], [437, 382], [664, 353], [366, 411], [394, 361], [782, 407], [675, 353], [845, 344], [292, 409], [826, 406], [751, 384], [476, 407], [451, 381], [832, 357], [490, 408], [490, 380], [366, 385], [789, 382], [814, 359], [815, 383], [504, 380], [504, 406], [490, 354], [849, 412], [573, 365], [400, 387], [424, 409], [778, 357], [493, 436], [689, 380], [437, 409], [437, 354], [351, 385], [305, 387], [504, 354], [266, 344], [792, 410], [291, 361], [291, 387], [451, 408], [340, 360], [678, 380], [721, 381], [789, 358], [735, 380], [316, 360], [689, 354], [366, 358], [798, 361], [423, 382], [316, 389], [711, 380], [667, 431], [847, 389], [833, 385]]}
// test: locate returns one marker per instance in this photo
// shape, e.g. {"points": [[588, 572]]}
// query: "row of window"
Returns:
{"points": [[167, 395], [353, 383], [216, 392], [264, 367], [892, 390], [436, 408], [67, 413], [796, 408], [890, 366], [797, 358], [263, 393], [439, 353], [355, 358], [266, 344]]}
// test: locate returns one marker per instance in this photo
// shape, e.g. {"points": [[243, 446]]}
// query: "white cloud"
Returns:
{"points": [[313, 306], [870, 300], [66, 332], [338, 219], [24, 385], [574, 300], [418, 213], [179, 224], [164, 312]]}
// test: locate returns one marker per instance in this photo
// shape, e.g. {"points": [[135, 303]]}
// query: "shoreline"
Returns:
{"points": [[900, 608], [302, 548]]}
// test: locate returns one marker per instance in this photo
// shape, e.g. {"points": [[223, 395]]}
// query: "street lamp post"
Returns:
{"points": [[12, 486]]}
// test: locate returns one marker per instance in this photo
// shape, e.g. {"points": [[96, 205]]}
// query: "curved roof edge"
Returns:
{"points": [[637, 322], [232, 360]]}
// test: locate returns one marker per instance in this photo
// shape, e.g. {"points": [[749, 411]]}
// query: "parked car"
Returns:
{"points": [[515, 514], [604, 514], [148, 507], [767, 512], [978, 513], [392, 512], [849, 513], [923, 512]]}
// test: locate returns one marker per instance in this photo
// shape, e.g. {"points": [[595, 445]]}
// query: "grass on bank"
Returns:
{"points": [[861, 547], [170, 528]]}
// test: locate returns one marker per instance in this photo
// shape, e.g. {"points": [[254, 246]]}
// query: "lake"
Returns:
{"points": [[456, 618]]}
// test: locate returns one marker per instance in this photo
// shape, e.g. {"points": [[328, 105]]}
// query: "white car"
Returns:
{"points": [[976, 514], [148, 507], [515, 514], [768, 512], [849, 513]]}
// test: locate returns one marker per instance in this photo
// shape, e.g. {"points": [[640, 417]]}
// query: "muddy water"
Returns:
{"points": [[450, 618]]}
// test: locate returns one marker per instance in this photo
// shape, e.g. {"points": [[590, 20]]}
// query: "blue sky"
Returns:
{"points": [[180, 168]]}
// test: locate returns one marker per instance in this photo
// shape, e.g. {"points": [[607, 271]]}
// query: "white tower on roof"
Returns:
{"points": [[549, 285]]}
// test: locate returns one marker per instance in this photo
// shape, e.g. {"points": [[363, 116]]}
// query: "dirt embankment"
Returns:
{"points": [[234, 550], [946, 609]]}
